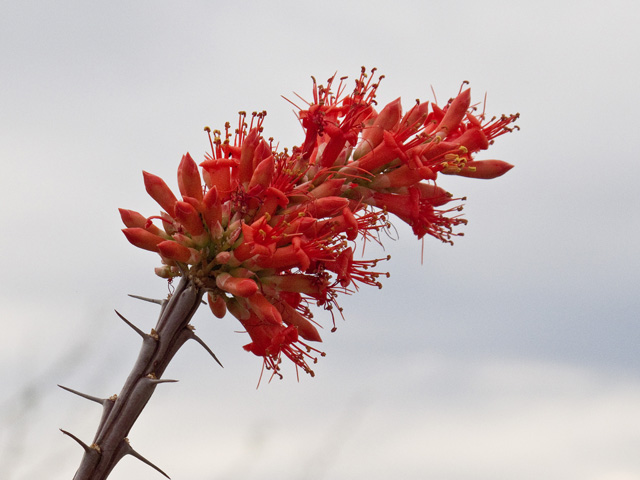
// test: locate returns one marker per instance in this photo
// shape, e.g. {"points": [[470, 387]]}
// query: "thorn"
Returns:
{"points": [[204, 345], [162, 380], [133, 453], [151, 300], [84, 395], [157, 381], [86, 447], [136, 329], [156, 301]]}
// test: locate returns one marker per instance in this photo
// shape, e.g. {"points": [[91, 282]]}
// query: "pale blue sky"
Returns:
{"points": [[512, 355]]}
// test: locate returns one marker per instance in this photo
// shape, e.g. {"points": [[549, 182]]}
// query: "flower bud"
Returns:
{"points": [[217, 305], [437, 196], [245, 169], [415, 117], [189, 181], [133, 219], [327, 206], [485, 169], [263, 173], [160, 192], [142, 238], [454, 114], [387, 119], [175, 251], [240, 287], [187, 215], [328, 188]]}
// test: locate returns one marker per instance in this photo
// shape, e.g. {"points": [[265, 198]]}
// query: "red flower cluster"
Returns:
{"points": [[269, 233]]}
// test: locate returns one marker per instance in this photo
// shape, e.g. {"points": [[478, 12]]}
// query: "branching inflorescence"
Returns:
{"points": [[267, 234]]}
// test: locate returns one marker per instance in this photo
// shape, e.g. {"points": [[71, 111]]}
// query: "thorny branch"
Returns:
{"points": [[120, 412]]}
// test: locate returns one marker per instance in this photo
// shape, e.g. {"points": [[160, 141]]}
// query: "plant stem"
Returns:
{"points": [[120, 412]]}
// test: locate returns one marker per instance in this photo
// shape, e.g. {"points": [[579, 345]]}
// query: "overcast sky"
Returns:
{"points": [[512, 355]]}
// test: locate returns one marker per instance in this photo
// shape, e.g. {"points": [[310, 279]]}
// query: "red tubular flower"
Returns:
{"points": [[383, 154], [473, 140], [264, 309], [217, 174], [267, 234], [270, 341], [258, 239], [293, 318], [286, 258], [299, 283], [419, 213], [333, 147]]}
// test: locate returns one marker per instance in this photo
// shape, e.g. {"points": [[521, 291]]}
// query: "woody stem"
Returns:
{"points": [[120, 413]]}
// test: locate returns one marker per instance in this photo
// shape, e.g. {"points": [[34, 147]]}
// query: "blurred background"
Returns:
{"points": [[512, 355]]}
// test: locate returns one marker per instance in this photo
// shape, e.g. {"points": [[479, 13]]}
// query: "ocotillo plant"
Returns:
{"points": [[265, 234]]}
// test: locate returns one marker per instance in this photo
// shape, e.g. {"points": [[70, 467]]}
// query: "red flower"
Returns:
{"points": [[269, 233]]}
